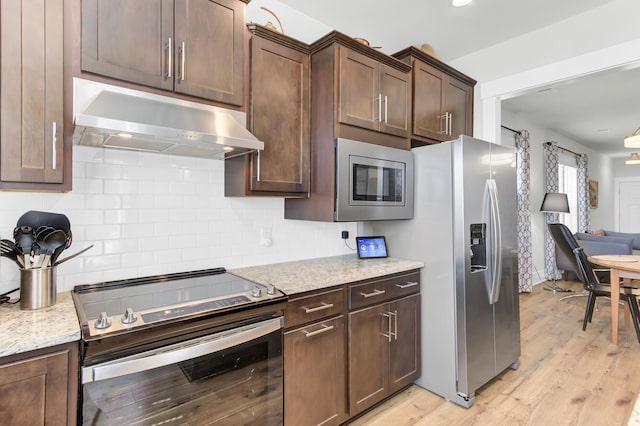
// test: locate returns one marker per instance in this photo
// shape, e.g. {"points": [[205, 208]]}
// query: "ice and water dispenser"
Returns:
{"points": [[478, 236]]}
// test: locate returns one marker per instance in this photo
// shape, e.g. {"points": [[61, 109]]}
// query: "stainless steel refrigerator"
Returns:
{"points": [[464, 230]]}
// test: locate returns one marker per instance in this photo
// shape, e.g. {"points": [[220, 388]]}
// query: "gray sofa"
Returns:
{"points": [[610, 243]]}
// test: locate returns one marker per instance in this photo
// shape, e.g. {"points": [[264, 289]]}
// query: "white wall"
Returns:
{"points": [[149, 214]]}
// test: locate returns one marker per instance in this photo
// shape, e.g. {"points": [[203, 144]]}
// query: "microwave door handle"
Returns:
{"points": [[180, 352]]}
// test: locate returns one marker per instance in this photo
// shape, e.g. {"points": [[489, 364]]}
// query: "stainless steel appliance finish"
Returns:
{"points": [[202, 347], [465, 232], [373, 182], [116, 117]]}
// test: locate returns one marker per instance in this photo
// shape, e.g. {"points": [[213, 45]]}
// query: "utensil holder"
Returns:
{"points": [[37, 288]]}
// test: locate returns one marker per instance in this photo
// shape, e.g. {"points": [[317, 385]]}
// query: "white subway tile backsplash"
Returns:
{"points": [[102, 262], [102, 201], [150, 214], [137, 230], [103, 171], [121, 216], [88, 186], [137, 201], [102, 232], [120, 187], [128, 245]]}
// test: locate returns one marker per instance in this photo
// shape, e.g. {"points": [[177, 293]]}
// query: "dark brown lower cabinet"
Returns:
{"points": [[314, 389], [39, 387], [349, 347], [384, 351]]}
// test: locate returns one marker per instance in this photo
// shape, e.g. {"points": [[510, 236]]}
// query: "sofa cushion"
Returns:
{"points": [[635, 237]]}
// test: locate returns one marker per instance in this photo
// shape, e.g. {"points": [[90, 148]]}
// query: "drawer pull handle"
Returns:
{"points": [[322, 307], [324, 329], [373, 293], [408, 284]]}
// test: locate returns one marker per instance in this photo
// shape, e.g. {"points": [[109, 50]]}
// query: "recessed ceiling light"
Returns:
{"points": [[460, 3]]}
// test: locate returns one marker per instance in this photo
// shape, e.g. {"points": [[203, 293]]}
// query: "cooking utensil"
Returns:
{"points": [[72, 256], [36, 219], [9, 250], [24, 238], [52, 241], [57, 252]]}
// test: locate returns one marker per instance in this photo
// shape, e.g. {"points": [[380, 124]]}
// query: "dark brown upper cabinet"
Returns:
{"points": [[442, 99], [192, 47], [32, 147], [358, 93], [373, 95], [278, 115]]}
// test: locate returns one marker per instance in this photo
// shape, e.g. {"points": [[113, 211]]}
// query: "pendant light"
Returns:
{"points": [[633, 140], [634, 158]]}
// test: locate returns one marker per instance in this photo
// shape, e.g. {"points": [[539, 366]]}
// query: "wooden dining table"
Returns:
{"points": [[625, 267]]}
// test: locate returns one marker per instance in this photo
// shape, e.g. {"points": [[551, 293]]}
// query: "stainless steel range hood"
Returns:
{"points": [[115, 117]]}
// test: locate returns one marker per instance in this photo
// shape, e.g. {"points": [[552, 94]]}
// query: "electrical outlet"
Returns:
{"points": [[344, 235], [265, 237]]}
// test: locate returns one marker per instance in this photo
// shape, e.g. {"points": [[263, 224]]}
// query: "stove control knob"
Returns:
{"points": [[129, 317], [257, 292], [103, 322], [271, 289]]}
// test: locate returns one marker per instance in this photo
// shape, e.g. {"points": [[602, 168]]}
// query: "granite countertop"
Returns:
{"points": [[313, 274], [26, 330]]}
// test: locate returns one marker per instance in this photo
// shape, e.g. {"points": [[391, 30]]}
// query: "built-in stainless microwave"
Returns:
{"points": [[373, 182]]}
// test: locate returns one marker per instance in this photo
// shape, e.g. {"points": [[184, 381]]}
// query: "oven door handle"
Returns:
{"points": [[179, 352]]}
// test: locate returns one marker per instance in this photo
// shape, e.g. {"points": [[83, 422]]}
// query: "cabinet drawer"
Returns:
{"points": [[314, 307], [378, 291]]}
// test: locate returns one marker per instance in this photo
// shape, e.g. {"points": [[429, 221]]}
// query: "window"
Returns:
{"points": [[568, 184]]}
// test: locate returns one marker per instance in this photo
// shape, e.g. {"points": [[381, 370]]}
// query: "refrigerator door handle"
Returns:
{"points": [[497, 242]]}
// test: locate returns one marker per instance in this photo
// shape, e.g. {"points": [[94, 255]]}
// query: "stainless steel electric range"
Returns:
{"points": [[202, 347]]}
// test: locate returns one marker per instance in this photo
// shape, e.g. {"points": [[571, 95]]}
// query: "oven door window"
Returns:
{"points": [[376, 182], [241, 384]]}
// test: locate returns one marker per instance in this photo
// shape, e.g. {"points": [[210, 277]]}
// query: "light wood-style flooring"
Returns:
{"points": [[566, 376]]}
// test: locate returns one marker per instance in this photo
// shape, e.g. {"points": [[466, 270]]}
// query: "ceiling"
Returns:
{"points": [[597, 111]]}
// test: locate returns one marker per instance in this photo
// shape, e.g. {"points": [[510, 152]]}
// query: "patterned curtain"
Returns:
{"points": [[551, 271], [525, 260], [584, 212]]}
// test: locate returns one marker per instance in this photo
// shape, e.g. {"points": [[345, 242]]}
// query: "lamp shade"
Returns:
{"points": [[555, 202]]}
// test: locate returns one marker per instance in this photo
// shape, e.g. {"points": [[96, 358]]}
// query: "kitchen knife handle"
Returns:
{"points": [[169, 58], [322, 307], [54, 141], [324, 329]]}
